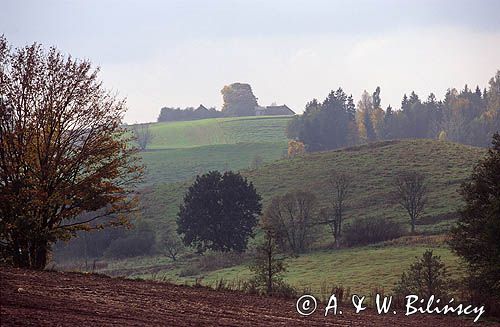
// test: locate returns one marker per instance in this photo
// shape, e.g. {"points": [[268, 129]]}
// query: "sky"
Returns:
{"points": [[181, 53]]}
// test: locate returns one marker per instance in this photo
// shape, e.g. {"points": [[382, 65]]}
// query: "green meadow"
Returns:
{"points": [[181, 150]]}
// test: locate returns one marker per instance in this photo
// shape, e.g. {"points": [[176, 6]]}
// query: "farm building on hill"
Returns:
{"points": [[202, 112], [273, 111]]}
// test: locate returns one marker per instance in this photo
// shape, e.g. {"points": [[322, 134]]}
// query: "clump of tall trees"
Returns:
{"points": [[66, 163], [326, 125], [465, 116]]}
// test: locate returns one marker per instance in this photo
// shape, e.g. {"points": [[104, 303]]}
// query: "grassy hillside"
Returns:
{"points": [[373, 168], [213, 131], [359, 269], [172, 165], [180, 150]]}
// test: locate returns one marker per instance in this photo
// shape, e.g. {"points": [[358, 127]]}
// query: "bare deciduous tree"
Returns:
{"points": [[411, 194], [291, 217], [64, 157], [143, 135], [171, 244], [340, 185]]}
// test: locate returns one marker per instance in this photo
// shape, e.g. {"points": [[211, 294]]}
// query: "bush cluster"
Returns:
{"points": [[371, 230]]}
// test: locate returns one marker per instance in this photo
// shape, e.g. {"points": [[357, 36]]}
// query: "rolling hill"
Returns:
{"points": [[373, 168], [180, 150], [186, 134], [183, 149]]}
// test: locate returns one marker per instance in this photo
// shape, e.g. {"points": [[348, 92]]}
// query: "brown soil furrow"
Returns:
{"points": [[43, 298]]}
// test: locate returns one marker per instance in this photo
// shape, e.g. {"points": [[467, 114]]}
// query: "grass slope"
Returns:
{"points": [[373, 168], [173, 165], [212, 131], [181, 150], [360, 269]]}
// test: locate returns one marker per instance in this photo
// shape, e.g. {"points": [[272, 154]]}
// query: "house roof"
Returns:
{"points": [[280, 110], [201, 108]]}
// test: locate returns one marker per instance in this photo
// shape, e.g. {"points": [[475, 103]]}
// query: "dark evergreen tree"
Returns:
{"points": [[376, 98], [404, 102], [324, 126], [476, 238], [351, 108], [388, 131], [427, 276], [478, 92]]}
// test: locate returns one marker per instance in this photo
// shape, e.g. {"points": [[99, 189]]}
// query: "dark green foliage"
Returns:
{"points": [[364, 231], [376, 98], [476, 237], [219, 212], [426, 277], [327, 125]]}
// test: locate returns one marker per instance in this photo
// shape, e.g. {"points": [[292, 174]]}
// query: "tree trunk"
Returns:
{"points": [[38, 254], [269, 267], [20, 257]]}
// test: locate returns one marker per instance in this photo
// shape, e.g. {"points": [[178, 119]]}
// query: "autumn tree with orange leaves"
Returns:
{"points": [[65, 161]]}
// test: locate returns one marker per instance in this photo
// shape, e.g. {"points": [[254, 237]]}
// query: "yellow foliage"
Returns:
{"points": [[295, 148]]}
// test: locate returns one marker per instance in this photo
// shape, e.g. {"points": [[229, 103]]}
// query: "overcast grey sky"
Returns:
{"points": [[181, 53]]}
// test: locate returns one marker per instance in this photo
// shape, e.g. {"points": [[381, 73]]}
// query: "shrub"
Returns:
{"points": [[426, 276], [284, 290], [190, 270], [371, 230], [211, 261]]}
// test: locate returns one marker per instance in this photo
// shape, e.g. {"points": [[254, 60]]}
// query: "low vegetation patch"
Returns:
{"points": [[371, 230]]}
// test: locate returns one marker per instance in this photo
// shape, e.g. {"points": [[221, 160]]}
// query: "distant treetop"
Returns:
{"points": [[239, 101]]}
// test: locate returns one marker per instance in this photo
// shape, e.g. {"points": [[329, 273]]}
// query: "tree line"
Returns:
{"points": [[466, 116], [238, 98], [189, 113]]}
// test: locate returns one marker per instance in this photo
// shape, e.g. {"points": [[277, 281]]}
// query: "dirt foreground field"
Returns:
{"points": [[39, 298]]}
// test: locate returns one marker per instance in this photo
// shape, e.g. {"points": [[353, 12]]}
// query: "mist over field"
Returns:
{"points": [[260, 163]]}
